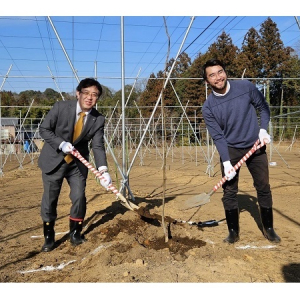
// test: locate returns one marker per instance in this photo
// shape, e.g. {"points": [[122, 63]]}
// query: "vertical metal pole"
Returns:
{"points": [[96, 70], [4, 79], [208, 153], [20, 110], [271, 134], [96, 79], [123, 103]]}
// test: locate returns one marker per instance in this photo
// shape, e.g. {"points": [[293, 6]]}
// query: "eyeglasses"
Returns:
{"points": [[87, 93], [214, 75]]}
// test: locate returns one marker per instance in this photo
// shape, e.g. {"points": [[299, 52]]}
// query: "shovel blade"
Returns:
{"points": [[196, 201], [126, 203], [129, 205]]}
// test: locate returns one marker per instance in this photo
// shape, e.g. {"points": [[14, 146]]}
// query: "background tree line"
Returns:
{"points": [[262, 59]]}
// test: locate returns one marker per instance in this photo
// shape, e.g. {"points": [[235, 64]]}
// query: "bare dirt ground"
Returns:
{"points": [[124, 247]]}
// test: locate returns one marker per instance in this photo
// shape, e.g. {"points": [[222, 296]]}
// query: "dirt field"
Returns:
{"points": [[123, 247]]}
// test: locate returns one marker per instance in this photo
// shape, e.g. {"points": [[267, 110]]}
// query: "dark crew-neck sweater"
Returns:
{"points": [[232, 120]]}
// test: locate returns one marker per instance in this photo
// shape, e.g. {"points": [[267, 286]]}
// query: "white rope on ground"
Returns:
{"points": [[48, 268], [255, 247], [63, 265]]}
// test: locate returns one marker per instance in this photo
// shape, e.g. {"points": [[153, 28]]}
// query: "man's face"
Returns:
{"points": [[87, 97], [217, 78]]}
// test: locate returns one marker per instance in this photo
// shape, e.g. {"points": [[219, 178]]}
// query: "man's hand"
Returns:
{"points": [[102, 169], [264, 137], [66, 147], [229, 170], [106, 181]]}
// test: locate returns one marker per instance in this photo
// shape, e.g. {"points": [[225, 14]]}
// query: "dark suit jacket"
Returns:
{"points": [[58, 126]]}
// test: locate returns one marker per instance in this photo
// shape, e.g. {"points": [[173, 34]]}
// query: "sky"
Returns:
{"points": [[56, 46]]}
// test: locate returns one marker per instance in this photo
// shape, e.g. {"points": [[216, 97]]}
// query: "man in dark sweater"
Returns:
{"points": [[230, 115]]}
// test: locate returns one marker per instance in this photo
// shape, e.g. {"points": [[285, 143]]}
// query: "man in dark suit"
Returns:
{"points": [[56, 163]]}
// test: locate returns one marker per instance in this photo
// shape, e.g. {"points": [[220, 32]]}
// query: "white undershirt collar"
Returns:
{"points": [[79, 110], [227, 90]]}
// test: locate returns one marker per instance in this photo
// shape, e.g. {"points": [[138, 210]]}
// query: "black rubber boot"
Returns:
{"points": [[266, 215], [75, 233], [232, 218], [49, 235]]}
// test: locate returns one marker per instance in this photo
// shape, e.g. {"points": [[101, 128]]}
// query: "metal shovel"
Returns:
{"points": [[205, 198]]}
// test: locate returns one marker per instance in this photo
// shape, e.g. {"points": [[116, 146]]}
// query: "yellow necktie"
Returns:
{"points": [[77, 130]]}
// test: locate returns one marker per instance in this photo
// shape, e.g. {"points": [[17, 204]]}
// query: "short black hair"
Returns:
{"points": [[211, 63], [87, 82]]}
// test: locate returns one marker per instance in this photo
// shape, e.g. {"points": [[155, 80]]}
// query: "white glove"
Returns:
{"points": [[264, 137], [66, 147], [102, 169], [229, 170], [106, 181]]}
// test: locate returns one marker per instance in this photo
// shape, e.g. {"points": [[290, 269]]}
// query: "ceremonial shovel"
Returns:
{"points": [[205, 198], [124, 201]]}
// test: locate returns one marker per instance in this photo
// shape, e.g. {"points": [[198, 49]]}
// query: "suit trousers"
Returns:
{"points": [[258, 167], [52, 183]]}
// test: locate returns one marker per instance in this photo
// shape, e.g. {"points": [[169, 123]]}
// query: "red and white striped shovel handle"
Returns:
{"points": [[97, 173], [255, 147]]}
